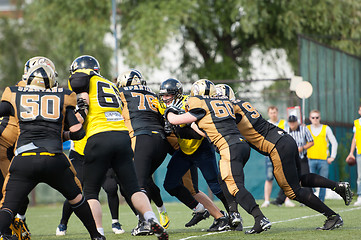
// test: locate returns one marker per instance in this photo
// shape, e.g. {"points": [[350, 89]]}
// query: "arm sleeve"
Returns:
{"points": [[198, 112], [6, 109], [333, 141], [70, 118]]}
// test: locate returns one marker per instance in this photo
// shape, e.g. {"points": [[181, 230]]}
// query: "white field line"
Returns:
{"points": [[282, 221]]}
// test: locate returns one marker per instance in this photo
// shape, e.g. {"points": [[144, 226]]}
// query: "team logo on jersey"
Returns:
{"points": [[281, 133], [113, 116]]}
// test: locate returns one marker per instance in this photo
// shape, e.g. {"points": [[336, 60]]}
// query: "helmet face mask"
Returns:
{"points": [[130, 78], [41, 76], [170, 92], [38, 60], [203, 87], [85, 62], [225, 90]]}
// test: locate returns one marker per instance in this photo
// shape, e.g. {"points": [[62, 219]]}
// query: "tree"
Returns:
{"points": [[60, 30], [217, 37]]}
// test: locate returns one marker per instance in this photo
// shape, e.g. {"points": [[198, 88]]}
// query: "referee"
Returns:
{"points": [[304, 140]]}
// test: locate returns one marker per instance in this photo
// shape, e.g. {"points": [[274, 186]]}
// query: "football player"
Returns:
{"points": [[108, 142], [215, 118], [8, 135], [282, 149], [146, 129], [193, 150], [41, 112], [110, 186]]}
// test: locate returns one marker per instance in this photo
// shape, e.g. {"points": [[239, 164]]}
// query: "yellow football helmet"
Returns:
{"points": [[203, 87], [225, 90], [38, 60], [130, 78], [40, 76]]}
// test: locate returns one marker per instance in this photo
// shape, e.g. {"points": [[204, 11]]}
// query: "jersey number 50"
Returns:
{"points": [[48, 106]]}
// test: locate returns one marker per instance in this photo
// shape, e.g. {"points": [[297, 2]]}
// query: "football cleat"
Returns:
{"points": [[8, 237], [158, 230], [142, 229], [344, 190], [219, 224], [235, 221], [99, 238], [332, 222], [259, 226], [20, 229], [61, 230], [117, 228], [197, 217], [164, 219]]}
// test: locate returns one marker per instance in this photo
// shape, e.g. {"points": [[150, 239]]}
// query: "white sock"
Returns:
{"points": [[161, 209], [359, 198], [149, 215], [199, 208], [22, 217], [101, 231], [115, 221], [266, 202]]}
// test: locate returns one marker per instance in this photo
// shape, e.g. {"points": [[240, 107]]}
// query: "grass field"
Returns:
{"points": [[288, 223]]}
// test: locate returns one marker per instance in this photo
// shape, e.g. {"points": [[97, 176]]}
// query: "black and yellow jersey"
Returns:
{"points": [[258, 132], [140, 115], [9, 131], [216, 118], [187, 146], [40, 115], [105, 108]]}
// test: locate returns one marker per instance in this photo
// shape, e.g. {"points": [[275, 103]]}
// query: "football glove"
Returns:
{"points": [[173, 109]]}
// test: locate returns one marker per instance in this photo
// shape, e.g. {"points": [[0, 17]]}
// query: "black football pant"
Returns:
{"points": [[109, 150], [149, 153], [287, 171], [26, 172]]}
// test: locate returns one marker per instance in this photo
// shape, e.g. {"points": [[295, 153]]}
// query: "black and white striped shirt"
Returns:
{"points": [[302, 136]]}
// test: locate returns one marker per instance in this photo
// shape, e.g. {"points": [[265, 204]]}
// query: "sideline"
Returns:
{"points": [[283, 221]]}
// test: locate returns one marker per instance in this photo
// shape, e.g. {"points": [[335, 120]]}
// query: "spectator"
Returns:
{"points": [[356, 143], [281, 123], [304, 140], [318, 154]]}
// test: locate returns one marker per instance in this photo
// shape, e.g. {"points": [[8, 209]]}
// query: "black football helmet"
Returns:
{"points": [[85, 62], [172, 87]]}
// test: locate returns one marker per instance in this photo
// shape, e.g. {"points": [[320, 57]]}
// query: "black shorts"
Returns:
{"points": [[26, 172], [105, 150]]}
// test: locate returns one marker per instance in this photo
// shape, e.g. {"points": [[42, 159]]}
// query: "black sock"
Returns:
{"points": [[183, 195], [310, 200], [223, 200], [83, 212], [153, 192], [24, 206], [246, 200], [315, 180], [113, 203], [67, 211], [6, 216]]}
